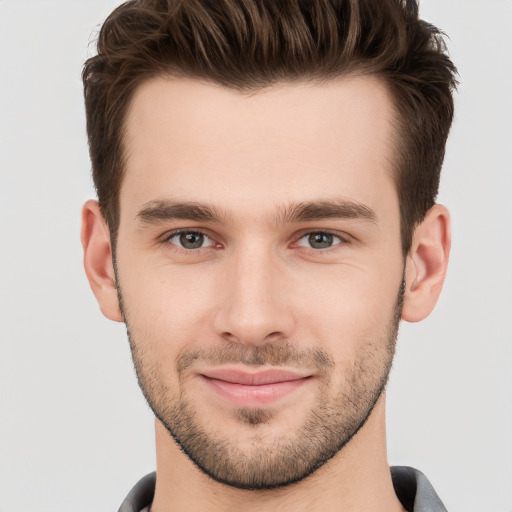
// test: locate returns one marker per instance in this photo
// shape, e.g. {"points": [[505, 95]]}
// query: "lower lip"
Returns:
{"points": [[254, 396]]}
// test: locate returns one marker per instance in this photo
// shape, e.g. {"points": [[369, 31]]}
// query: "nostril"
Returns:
{"points": [[275, 336], [229, 337]]}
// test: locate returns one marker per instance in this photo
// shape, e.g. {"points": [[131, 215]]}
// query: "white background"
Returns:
{"points": [[75, 433]]}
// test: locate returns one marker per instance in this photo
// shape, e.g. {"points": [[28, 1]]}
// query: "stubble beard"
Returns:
{"points": [[330, 424]]}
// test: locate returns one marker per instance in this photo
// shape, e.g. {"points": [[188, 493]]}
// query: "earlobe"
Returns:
{"points": [[98, 260], [426, 264]]}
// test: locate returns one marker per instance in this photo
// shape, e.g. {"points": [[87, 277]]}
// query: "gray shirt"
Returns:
{"points": [[411, 486]]}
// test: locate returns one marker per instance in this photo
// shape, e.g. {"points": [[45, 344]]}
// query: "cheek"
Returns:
{"points": [[347, 309], [165, 308]]}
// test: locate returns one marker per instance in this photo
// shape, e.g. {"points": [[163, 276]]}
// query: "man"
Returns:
{"points": [[266, 174]]}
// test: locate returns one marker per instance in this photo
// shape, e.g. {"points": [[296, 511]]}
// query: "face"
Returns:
{"points": [[259, 268]]}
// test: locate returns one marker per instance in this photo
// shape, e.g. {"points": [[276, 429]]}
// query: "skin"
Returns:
{"points": [[257, 282]]}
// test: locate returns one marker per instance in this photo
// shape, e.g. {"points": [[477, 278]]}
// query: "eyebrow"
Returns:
{"points": [[162, 210], [319, 210]]}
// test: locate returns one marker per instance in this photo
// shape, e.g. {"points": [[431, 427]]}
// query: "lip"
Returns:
{"points": [[247, 389]]}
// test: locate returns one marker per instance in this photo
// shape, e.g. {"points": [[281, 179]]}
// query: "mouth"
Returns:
{"points": [[247, 389]]}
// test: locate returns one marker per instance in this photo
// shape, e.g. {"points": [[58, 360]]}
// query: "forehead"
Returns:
{"points": [[289, 143]]}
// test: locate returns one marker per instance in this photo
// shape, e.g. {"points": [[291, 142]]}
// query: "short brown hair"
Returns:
{"points": [[251, 44]]}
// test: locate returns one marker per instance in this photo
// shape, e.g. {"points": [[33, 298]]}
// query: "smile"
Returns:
{"points": [[245, 389]]}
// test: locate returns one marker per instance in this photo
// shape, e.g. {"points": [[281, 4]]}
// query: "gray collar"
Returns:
{"points": [[411, 486], [414, 491]]}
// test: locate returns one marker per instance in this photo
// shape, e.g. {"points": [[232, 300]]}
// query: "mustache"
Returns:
{"points": [[270, 354]]}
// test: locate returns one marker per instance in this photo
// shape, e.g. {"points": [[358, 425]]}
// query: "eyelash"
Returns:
{"points": [[169, 236], [343, 240]]}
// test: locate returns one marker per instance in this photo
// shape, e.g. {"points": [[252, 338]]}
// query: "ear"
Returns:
{"points": [[98, 260], [426, 264]]}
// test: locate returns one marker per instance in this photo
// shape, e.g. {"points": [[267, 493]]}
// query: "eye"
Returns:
{"points": [[320, 240], [190, 240]]}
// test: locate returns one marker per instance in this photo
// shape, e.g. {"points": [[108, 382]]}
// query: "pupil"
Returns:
{"points": [[191, 240], [320, 240]]}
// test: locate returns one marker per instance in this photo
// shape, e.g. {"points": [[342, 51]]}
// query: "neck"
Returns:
{"points": [[356, 479]]}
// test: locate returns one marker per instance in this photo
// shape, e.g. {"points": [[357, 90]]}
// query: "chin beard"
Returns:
{"points": [[270, 461]]}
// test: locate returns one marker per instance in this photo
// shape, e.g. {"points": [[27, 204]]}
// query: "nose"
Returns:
{"points": [[255, 303]]}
